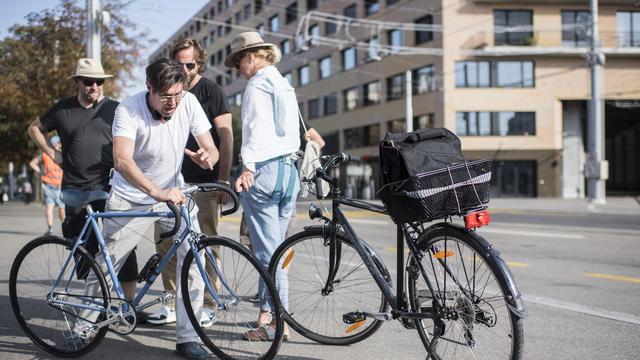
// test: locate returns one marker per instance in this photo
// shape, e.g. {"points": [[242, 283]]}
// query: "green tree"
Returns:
{"points": [[37, 58]]}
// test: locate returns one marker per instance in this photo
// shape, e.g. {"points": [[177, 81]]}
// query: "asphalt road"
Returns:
{"points": [[579, 274]]}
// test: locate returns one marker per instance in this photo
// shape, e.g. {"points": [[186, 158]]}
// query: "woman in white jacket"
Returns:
{"points": [[269, 180]]}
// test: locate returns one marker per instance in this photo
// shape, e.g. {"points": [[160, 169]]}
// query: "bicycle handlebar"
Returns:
{"points": [[204, 187]]}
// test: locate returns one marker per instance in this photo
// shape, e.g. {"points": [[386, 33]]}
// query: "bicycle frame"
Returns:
{"points": [[187, 233]]}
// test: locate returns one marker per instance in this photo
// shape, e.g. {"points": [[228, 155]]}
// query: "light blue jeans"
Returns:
{"points": [[267, 208]]}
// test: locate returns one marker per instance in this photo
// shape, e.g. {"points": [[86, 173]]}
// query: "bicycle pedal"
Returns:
{"points": [[354, 317]]}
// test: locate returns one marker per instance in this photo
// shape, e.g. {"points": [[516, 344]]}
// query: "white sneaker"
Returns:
{"points": [[208, 318], [166, 315]]}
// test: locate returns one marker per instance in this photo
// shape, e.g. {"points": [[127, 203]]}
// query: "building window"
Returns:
{"points": [[473, 74], [330, 104], [212, 60], [257, 6], [303, 75], [329, 27], [219, 80], [348, 58], [205, 42], [396, 126], [300, 42], [227, 27], [260, 29], [212, 12], [212, 36], [291, 13], [274, 23], [312, 4], [229, 77], [479, 74], [220, 31], [512, 73], [362, 136], [315, 108], [247, 11], [314, 35], [423, 121], [227, 50], [289, 77], [628, 28], [350, 97], [395, 87], [371, 7], [423, 36], [351, 11], [396, 39], [229, 4], [220, 6], [424, 80], [198, 26], [392, 2], [285, 46], [371, 93], [324, 67], [503, 20], [513, 179], [238, 17], [220, 55], [506, 123], [575, 36], [373, 52]]}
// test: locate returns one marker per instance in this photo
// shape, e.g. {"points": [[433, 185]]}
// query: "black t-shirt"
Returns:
{"points": [[87, 143], [214, 104]]}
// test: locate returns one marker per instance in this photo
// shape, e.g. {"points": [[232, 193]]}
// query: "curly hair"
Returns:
{"points": [[199, 51]]}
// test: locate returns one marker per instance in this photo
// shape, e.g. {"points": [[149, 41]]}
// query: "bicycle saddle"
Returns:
{"points": [[78, 198]]}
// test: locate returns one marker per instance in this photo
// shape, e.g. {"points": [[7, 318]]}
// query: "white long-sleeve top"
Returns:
{"points": [[270, 125]]}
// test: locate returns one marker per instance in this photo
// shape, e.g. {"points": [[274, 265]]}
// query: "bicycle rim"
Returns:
{"points": [[51, 326], [476, 322], [317, 315], [243, 275]]}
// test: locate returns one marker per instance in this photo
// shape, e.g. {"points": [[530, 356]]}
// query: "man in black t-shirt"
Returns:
{"points": [[193, 58], [83, 123]]}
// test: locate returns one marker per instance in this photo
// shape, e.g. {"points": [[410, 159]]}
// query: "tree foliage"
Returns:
{"points": [[37, 58]]}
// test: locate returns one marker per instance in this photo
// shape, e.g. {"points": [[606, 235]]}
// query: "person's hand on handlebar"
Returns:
{"points": [[173, 195]]}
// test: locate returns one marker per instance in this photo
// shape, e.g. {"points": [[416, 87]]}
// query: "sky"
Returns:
{"points": [[160, 17]]}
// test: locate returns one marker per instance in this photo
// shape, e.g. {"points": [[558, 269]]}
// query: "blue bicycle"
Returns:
{"points": [[47, 287]]}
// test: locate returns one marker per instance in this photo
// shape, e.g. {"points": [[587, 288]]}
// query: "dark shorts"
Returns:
{"points": [[72, 226]]}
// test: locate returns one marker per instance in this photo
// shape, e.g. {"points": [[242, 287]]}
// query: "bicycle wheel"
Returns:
{"points": [[318, 315], [475, 322], [54, 326], [242, 273]]}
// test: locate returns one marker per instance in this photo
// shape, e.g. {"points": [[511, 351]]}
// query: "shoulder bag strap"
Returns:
{"points": [[304, 126]]}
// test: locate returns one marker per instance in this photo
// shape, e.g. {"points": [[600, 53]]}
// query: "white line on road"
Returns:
{"points": [[583, 309]]}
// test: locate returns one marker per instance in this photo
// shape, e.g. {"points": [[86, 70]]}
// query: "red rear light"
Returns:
{"points": [[477, 219]]}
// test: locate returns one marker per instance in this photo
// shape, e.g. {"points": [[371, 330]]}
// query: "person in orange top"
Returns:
{"points": [[51, 180]]}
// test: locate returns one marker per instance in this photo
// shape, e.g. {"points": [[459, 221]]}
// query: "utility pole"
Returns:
{"points": [[596, 167], [96, 19], [408, 91]]}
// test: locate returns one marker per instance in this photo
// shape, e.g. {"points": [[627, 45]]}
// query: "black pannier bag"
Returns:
{"points": [[424, 176]]}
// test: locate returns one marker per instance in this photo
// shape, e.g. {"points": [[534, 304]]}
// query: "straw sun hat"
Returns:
{"points": [[90, 68], [245, 41]]}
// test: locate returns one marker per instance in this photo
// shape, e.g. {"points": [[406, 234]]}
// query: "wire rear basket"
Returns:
{"points": [[452, 191]]}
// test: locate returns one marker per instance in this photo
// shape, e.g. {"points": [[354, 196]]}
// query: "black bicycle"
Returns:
{"points": [[453, 288]]}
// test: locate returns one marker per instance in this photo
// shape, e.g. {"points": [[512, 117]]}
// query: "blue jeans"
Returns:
{"points": [[267, 208]]}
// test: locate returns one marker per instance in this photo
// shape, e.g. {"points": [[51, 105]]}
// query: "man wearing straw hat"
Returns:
{"points": [[83, 123]]}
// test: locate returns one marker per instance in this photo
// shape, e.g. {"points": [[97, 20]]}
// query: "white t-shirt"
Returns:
{"points": [[159, 146]]}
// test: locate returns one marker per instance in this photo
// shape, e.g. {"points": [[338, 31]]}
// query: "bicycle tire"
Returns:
{"points": [[312, 318], [34, 271], [476, 326], [225, 338]]}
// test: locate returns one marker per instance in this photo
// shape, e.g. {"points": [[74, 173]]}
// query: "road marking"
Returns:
{"points": [[531, 233], [583, 309], [230, 219], [613, 277], [517, 264]]}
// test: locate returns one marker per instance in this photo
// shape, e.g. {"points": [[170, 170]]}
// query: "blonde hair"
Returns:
{"points": [[271, 54]]}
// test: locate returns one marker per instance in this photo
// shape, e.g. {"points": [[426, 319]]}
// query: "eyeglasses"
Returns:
{"points": [[175, 97], [189, 65], [90, 82]]}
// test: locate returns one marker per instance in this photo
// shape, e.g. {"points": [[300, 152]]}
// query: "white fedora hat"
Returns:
{"points": [[90, 68], [245, 41]]}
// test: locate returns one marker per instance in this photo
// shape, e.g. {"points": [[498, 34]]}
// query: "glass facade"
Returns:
{"points": [[505, 123]]}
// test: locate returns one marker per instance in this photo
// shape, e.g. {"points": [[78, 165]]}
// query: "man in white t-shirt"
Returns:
{"points": [[150, 132]]}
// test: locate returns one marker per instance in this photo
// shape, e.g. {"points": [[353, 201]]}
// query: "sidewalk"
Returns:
{"points": [[615, 205]]}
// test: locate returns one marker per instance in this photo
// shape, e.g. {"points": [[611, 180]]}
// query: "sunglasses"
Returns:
{"points": [[90, 82], [189, 65]]}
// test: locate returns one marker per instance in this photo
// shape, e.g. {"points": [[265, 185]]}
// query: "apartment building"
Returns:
{"points": [[509, 77]]}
